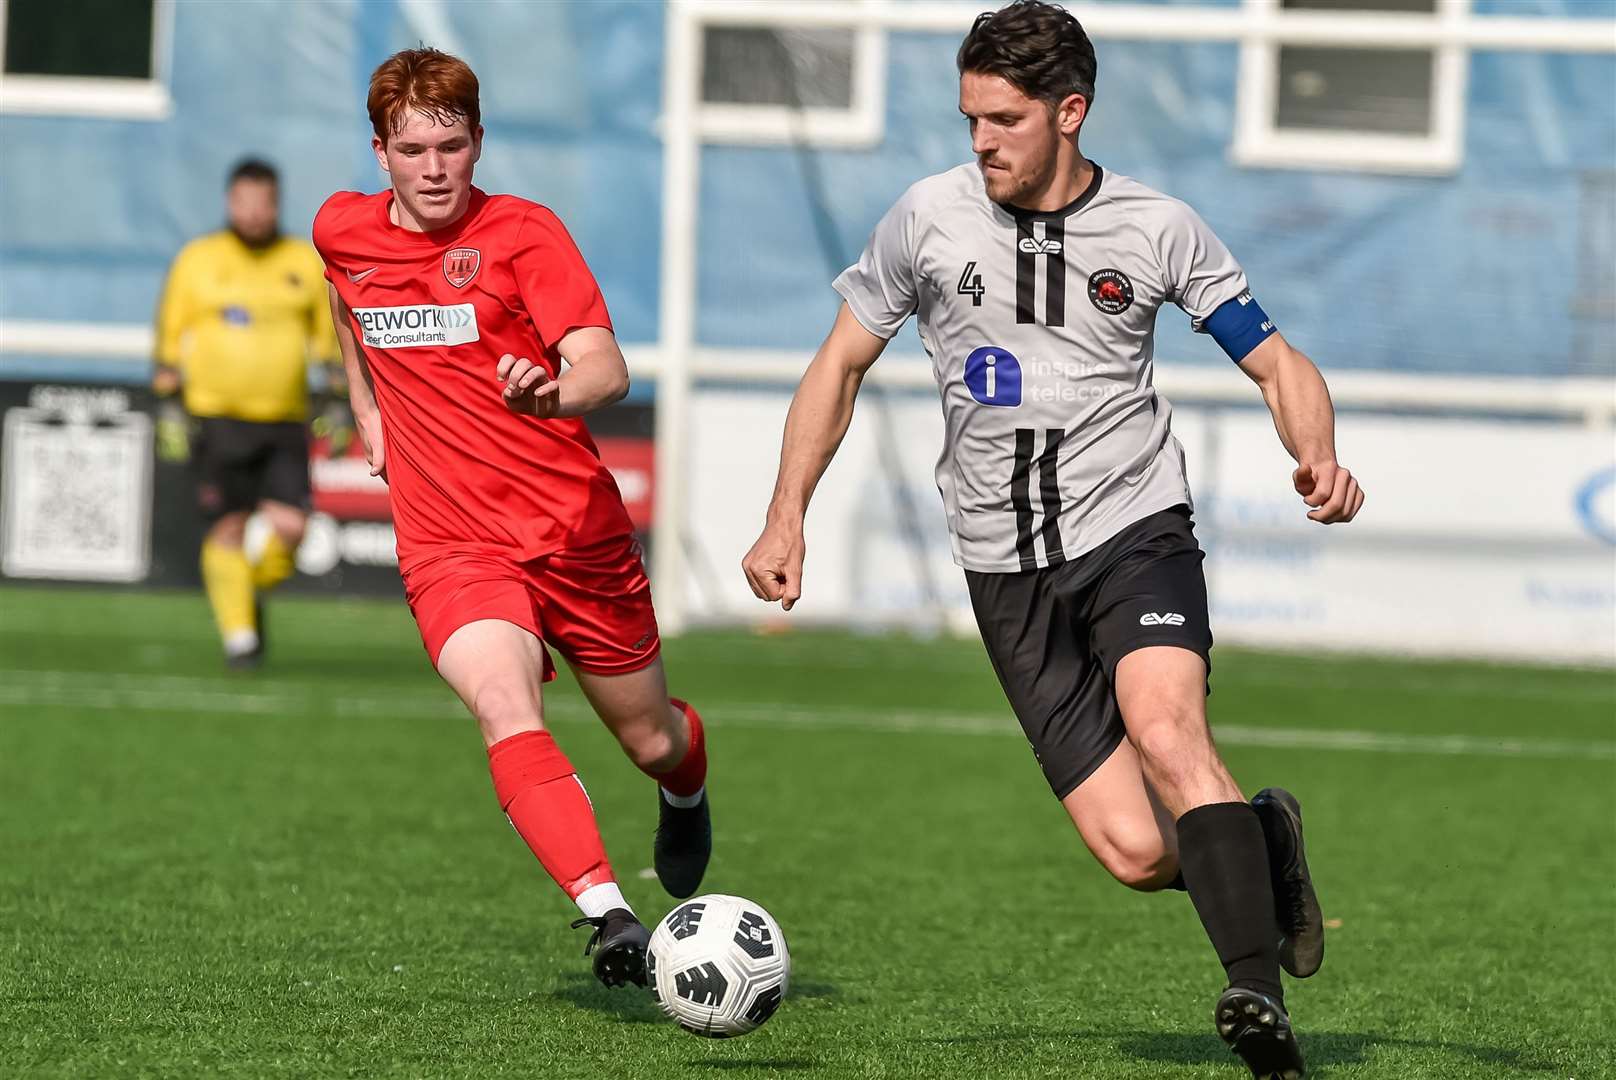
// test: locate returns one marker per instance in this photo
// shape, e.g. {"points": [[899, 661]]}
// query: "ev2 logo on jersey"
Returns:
{"points": [[1035, 245], [993, 376]]}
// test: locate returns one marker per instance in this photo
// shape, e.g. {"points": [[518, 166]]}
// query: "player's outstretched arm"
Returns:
{"points": [[1305, 419], [596, 376], [820, 413], [367, 417]]}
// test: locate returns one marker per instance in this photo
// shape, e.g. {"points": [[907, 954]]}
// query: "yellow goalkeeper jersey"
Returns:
{"points": [[243, 324]]}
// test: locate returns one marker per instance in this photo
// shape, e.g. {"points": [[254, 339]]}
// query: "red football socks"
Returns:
{"points": [[687, 777], [547, 804]]}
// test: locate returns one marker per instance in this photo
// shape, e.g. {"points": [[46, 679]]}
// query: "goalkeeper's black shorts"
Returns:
{"points": [[1056, 634], [240, 463]]}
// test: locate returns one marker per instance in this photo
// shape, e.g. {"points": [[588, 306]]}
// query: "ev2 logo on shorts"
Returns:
{"points": [[993, 376]]}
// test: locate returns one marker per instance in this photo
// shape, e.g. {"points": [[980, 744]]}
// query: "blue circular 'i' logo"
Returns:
{"points": [[993, 376], [1596, 505]]}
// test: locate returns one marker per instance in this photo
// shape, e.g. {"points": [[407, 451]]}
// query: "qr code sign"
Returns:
{"points": [[76, 499]]}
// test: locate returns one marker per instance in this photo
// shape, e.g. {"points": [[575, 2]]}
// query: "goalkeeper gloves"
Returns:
{"points": [[173, 432], [335, 424]]}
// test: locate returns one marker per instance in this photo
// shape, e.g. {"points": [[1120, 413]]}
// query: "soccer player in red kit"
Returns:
{"points": [[454, 310]]}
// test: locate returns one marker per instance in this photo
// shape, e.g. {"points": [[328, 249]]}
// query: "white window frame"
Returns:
{"points": [[861, 124], [1260, 141], [90, 95]]}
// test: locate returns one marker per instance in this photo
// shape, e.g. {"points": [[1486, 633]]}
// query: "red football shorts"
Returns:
{"points": [[592, 604]]}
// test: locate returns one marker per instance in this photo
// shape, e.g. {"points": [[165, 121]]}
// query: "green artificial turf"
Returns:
{"points": [[302, 872]]}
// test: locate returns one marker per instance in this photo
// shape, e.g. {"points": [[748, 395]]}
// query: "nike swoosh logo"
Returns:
{"points": [[362, 275]]}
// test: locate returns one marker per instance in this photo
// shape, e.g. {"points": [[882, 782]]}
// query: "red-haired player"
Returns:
{"points": [[454, 310]]}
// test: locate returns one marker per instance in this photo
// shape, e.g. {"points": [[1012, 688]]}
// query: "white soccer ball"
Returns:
{"points": [[718, 965]]}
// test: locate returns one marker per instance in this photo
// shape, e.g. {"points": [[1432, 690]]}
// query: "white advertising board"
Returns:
{"points": [[1479, 537], [76, 490]]}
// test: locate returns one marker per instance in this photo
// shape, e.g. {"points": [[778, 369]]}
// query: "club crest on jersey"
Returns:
{"points": [[460, 265], [1110, 291], [993, 376]]}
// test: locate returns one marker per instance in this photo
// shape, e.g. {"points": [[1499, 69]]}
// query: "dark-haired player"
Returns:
{"points": [[454, 311], [1037, 277]]}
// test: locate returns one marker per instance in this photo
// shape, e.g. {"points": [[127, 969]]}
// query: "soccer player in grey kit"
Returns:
{"points": [[1036, 276]]}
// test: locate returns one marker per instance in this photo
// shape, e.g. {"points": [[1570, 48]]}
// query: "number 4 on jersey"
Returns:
{"points": [[970, 284]]}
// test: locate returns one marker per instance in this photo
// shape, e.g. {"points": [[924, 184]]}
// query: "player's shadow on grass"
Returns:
{"points": [[634, 1006], [1323, 1048], [626, 1004], [769, 1064], [802, 988]]}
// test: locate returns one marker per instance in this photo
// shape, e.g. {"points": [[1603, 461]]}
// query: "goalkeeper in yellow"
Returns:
{"points": [[243, 315]]}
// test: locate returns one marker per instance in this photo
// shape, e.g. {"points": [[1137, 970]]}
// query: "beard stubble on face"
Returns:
{"points": [[1020, 181], [1013, 185], [258, 237]]}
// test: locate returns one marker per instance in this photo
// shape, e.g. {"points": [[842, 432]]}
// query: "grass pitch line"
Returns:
{"points": [[1309, 673], [130, 691]]}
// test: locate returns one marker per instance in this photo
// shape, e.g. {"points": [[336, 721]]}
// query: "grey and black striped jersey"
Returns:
{"points": [[1041, 329]]}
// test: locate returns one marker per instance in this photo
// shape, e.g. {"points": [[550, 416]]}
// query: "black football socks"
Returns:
{"points": [[1224, 861]]}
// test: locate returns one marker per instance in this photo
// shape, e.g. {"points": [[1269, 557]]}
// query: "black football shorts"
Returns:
{"points": [[1056, 634], [240, 463]]}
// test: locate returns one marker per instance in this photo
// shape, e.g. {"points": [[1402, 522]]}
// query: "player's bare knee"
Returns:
{"points": [[1138, 876], [230, 530], [1139, 862], [291, 532], [1150, 874], [505, 708], [650, 746], [1167, 737]]}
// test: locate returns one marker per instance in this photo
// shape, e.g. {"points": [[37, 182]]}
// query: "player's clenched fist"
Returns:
{"points": [[1331, 489], [529, 390], [774, 565]]}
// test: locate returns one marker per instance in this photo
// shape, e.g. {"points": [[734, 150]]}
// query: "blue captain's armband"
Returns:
{"points": [[1238, 326]]}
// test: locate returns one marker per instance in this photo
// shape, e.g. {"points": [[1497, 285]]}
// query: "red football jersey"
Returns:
{"points": [[433, 313]]}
